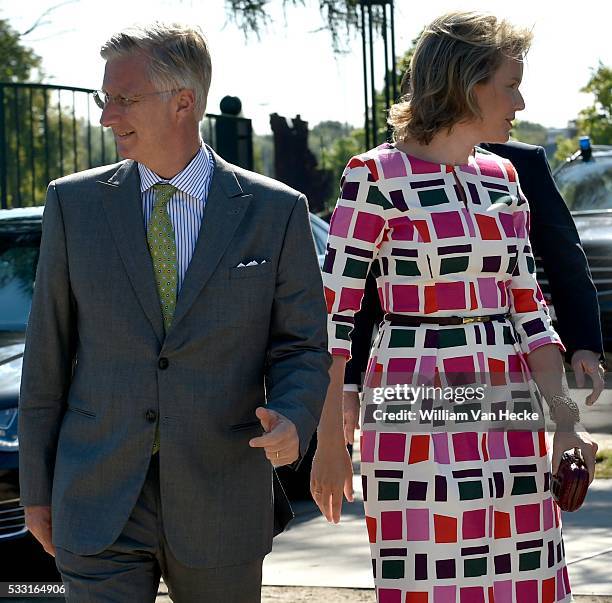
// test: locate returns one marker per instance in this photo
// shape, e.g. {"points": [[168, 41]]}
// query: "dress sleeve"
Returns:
{"points": [[528, 311], [357, 229]]}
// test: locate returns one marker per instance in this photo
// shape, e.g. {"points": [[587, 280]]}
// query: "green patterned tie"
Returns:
{"points": [[160, 236]]}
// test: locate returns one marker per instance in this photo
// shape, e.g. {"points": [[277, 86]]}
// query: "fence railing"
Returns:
{"points": [[48, 131]]}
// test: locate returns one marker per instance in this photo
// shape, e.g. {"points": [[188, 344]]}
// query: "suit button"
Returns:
{"points": [[163, 364], [151, 416]]}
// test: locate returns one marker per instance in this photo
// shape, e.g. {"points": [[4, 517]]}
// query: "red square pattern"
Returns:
{"points": [[445, 528], [501, 521], [489, 230], [419, 449]]}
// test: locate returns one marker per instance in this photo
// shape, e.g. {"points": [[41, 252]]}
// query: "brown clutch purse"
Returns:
{"points": [[571, 482]]}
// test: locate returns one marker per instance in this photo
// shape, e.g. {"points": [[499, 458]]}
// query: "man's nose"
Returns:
{"points": [[520, 102], [110, 115]]}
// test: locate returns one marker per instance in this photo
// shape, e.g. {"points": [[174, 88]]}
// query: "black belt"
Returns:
{"points": [[405, 320]]}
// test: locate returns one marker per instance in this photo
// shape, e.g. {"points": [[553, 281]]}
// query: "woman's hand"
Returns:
{"points": [[579, 438], [350, 409], [331, 475]]}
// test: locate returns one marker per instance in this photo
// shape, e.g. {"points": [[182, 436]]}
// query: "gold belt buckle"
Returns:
{"points": [[469, 319]]}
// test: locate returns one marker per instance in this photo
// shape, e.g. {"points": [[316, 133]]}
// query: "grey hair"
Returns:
{"points": [[178, 57]]}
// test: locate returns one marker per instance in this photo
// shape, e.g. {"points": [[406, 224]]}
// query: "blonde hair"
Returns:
{"points": [[178, 57], [454, 53]]}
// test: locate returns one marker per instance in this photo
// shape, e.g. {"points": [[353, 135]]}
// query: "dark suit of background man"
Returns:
{"points": [[554, 238], [141, 412]]}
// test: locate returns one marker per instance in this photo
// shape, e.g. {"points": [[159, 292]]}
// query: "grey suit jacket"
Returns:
{"points": [[93, 383]]}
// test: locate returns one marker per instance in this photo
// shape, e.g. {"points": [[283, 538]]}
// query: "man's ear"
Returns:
{"points": [[185, 102]]}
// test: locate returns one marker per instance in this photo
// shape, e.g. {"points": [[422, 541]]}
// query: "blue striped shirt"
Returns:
{"points": [[186, 206]]}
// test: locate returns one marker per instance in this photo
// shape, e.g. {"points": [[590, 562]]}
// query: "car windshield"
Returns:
{"points": [[18, 259], [587, 185]]}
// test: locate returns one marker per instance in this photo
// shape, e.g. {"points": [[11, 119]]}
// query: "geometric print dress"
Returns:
{"points": [[457, 510]]}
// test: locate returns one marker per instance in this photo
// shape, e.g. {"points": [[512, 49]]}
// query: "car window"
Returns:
{"points": [[319, 232], [587, 184], [18, 259]]}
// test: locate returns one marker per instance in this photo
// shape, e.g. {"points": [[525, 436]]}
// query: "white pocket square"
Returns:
{"points": [[251, 263]]}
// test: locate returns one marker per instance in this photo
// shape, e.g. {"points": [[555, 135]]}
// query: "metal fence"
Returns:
{"points": [[48, 131]]}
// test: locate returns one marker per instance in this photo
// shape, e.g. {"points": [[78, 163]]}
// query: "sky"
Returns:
{"points": [[292, 69]]}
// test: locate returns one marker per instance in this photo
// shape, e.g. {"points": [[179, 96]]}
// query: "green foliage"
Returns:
{"points": [[603, 464], [530, 132], [323, 136], [16, 60], [43, 137], [335, 156], [402, 66], [45, 140], [341, 17], [565, 148], [263, 154], [596, 120]]}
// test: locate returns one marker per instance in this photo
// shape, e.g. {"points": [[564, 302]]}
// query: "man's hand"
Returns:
{"points": [[281, 441], [350, 409], [587, 362], [38, 521]]}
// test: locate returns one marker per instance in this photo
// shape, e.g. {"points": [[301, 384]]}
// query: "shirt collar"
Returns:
{"points": [[192, 179]]}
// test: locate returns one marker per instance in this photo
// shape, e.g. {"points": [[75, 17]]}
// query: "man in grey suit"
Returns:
{"points": [[176, 347]]}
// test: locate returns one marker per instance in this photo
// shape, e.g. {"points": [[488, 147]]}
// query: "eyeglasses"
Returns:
{"points": [[102, 98]]}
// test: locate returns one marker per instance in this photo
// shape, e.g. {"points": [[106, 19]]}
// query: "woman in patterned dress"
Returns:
{"points": [[456, 511]]}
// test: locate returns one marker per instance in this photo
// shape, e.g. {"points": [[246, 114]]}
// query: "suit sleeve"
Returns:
{"points": [[366, 320], [556, 241], [48, 360], [298, 360], [528, 310]]}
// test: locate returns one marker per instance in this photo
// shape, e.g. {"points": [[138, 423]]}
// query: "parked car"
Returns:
{"points": [[585, 182], [20, 231]]}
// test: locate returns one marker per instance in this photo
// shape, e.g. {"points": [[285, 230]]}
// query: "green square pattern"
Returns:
{"points": [[343, 332], [470, 490], [508, 337], [355, 268], [388, 490], [499, 197], [529, 561], [452, 265], [450, 338], [402, 338], [524, 484], [530, 265], [392, 569], [433, 197], [407, 268], [475, 567], [375, 197]]}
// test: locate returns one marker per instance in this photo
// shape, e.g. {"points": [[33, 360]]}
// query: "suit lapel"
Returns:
{"points": [[123, 205], [225, 208]]}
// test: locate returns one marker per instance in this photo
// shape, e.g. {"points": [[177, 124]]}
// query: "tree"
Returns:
{"points": [[565, 148], [530, 132], [335, 157], [323, 135], [17, 62], [340, 16], [596, 120], [43, 138]]}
